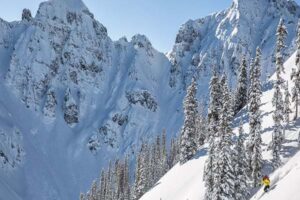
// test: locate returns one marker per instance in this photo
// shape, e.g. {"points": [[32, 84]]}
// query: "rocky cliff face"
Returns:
{"points": [[221, 39], [93, 99], [65, 50]]}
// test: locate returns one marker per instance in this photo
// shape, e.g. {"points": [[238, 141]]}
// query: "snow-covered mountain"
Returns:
{"points": [[222, 39], [89, 99], [186, 181], [72, 99]]}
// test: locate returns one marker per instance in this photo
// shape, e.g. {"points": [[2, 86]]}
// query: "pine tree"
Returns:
{"points": [[278, 97], [173, 154], [140, 174], [213, 128], [88, 196], [287, 110], [82, 196], [214, 105], [188, 142], [113, 181], [209, 174], [280, 45], [201, 126], [241, 191], [278, 128], [251, 75], [119, 187], [127, 191], [93, 192], [151, 175], [241, 96], [295, 76], [109, 181], [256, 163], [163, 163], [254, 157], [103, 186], [295, 94], [157, 166], [223, 169]]}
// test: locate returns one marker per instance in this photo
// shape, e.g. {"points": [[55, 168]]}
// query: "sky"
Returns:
{"points": [[159, 20]]}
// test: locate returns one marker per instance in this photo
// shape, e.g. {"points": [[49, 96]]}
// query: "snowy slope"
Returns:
{"points": [[285, 182], [186, 181]]}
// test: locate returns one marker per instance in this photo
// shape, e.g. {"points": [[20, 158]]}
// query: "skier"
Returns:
{"points": [[266, 182]]}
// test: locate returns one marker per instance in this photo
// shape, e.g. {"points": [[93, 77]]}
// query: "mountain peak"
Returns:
{"points": [[256, 2], [59, 8], [141, 41], [244, 3], [71, 4]]}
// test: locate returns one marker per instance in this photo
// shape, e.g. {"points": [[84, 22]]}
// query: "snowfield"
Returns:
{"points": [[185, 182]]}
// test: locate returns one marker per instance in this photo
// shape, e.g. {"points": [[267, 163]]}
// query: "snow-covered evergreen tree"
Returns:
{"points": [[213, 128], [82, 197], [140, 174], [201, 126], [241, 190], [287, 103], [215, 102], [214, 105], [93, 192], [224, 173], [164, 156], [256, 161], [295, 76], [152, 166], [280, 45], [109, 191], [113, 185], [209, 175], [251, 74], [295, 92], [127, 191], [278, 127], [277, 101], [88, 196], [254, 157], [157, 155], [70, 108], [188, 144], [103, 186], [173, 156], [119, 179], [241, 94], [49, 109]]}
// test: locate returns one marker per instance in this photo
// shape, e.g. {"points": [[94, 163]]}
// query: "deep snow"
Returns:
{"points": [[185, 182]]}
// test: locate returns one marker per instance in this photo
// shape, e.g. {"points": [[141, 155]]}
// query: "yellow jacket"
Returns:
{"points": [[266, 182]]}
